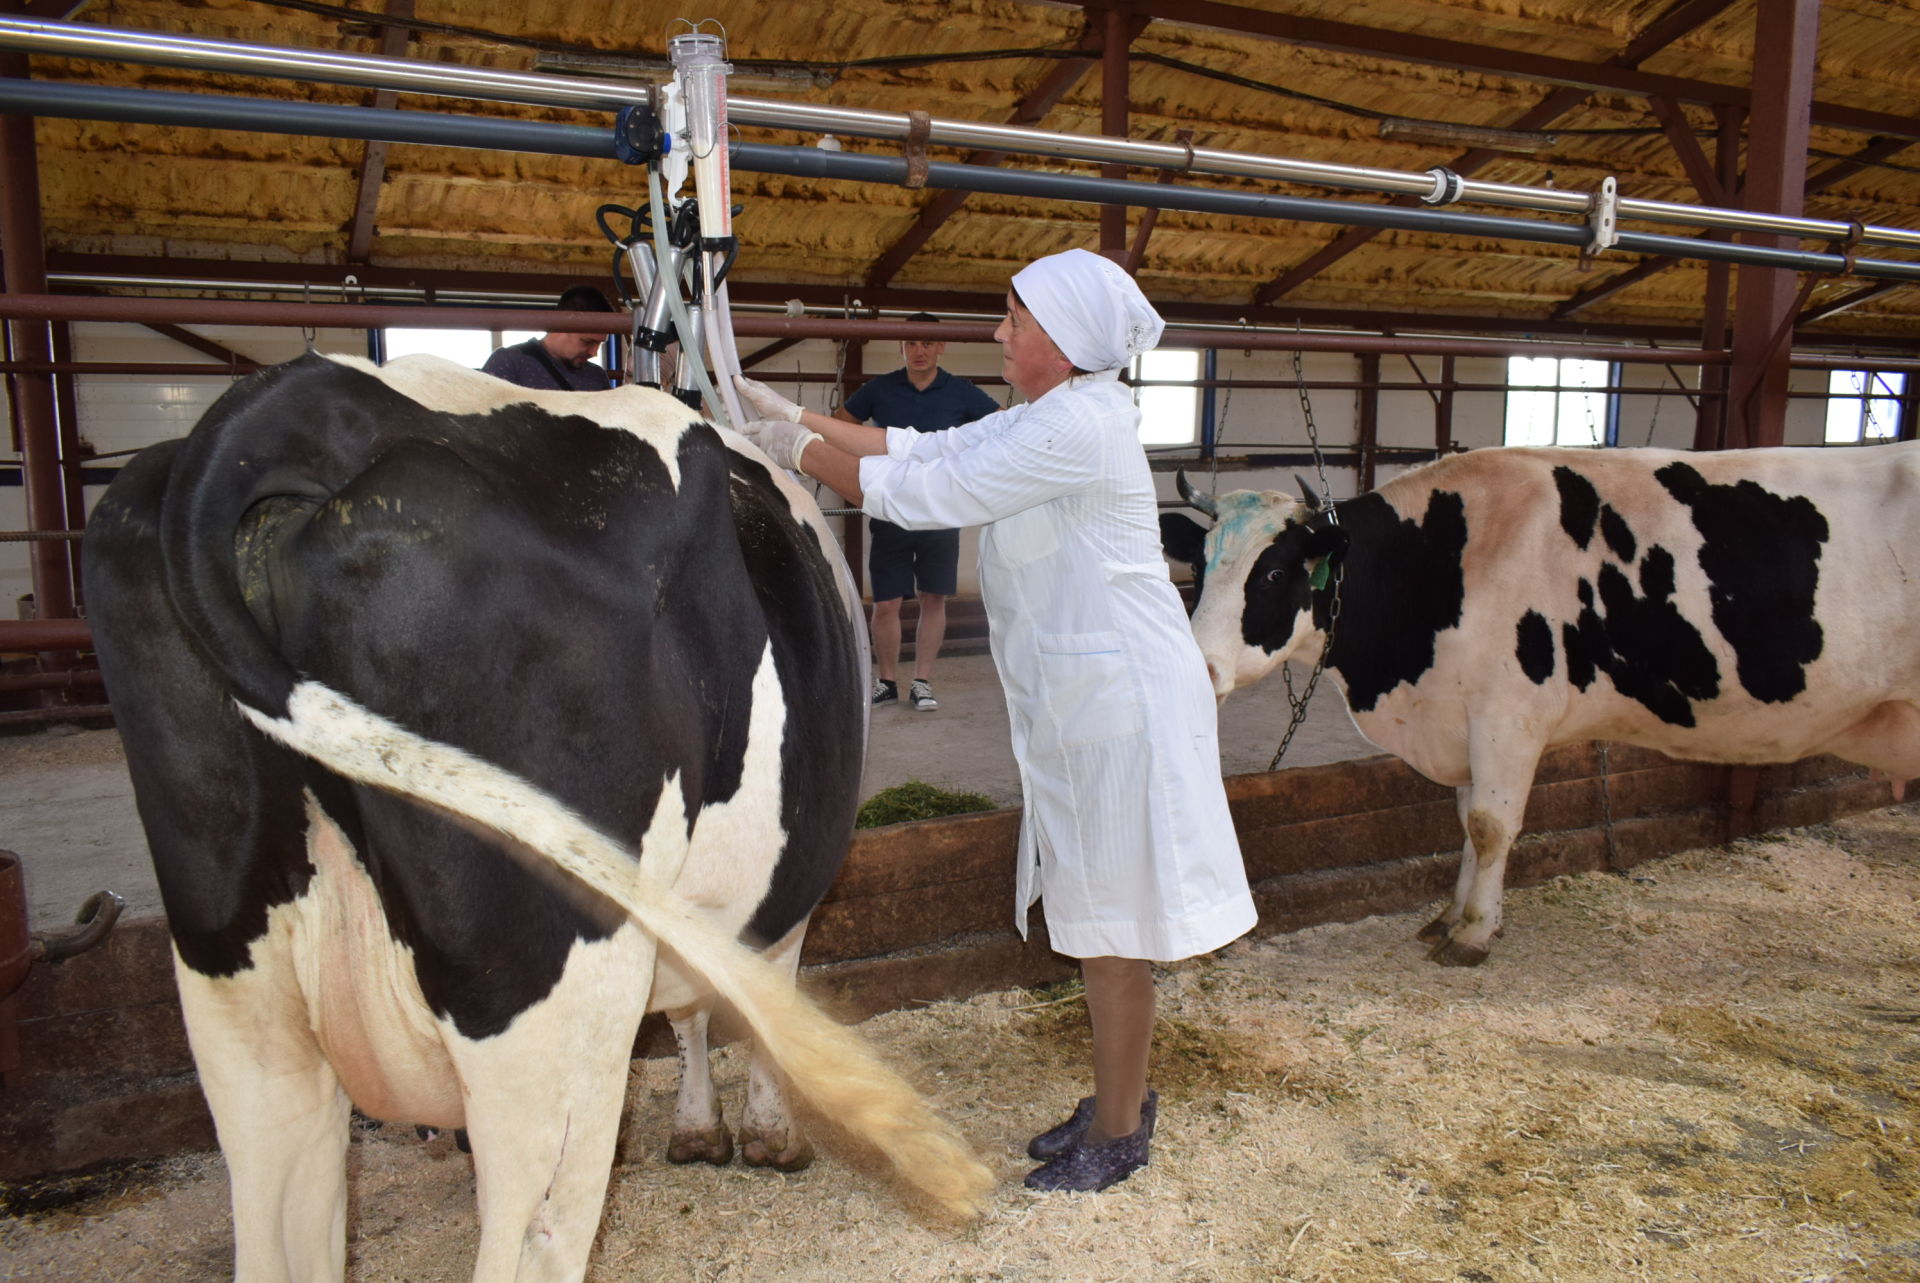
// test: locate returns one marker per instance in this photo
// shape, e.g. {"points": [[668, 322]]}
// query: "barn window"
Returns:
{"points": [[1558, 401], [1169, 415], [464, 347], [1863, 405]]}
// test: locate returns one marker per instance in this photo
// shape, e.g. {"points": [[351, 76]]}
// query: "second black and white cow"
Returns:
{"points": [[446, 703], [1748, 606]]}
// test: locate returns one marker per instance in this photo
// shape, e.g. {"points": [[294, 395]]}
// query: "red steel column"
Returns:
{"points": [[853, 526], [1369, 425], [26, 273], [66, 404], [1785, 34], [1114, 91], [1710, 422]]}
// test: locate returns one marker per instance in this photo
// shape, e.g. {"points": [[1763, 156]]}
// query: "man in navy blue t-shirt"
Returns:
{"points": [[558, 361], [921, 395]]}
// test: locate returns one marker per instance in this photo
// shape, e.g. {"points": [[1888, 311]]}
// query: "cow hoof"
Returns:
{"points": [[431, 1134], [758, 1151], [712, 1146], [1452, 953], [1435, 930]]}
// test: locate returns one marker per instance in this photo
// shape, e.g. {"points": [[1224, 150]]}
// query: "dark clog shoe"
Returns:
{"points": [[1055, 1141], [1091, 1166]]}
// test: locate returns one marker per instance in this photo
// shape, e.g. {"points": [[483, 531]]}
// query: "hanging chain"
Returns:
{"points": [[837, 393], [1299, 705], [1219, 435], [1606, 811], [1657, 401], [1313, 434]]}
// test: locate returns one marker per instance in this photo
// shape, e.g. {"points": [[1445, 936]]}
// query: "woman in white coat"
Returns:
{"points": [[1126, 838]]}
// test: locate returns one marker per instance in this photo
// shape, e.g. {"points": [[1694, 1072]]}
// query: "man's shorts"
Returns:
{"points": [[900, 559]]}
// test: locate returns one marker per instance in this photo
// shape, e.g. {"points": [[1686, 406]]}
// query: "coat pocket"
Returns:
{"points": [[1090, 687]]}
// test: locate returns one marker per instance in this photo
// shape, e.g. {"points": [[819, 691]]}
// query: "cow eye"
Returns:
{"points": [[1273, 576]]}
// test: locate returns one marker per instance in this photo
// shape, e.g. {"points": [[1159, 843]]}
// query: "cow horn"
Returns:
{"points": [[1309, 494], [1204, 502]]}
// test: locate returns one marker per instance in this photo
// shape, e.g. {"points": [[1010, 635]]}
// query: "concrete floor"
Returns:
{"points": [[66, 807]]}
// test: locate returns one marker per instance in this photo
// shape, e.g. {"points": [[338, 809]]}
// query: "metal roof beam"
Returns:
{"points": [[1686, 146], [1840, 170], [1663, 31], [373, 160], [1611, 76], [1030, 110], [1820, 312], [831, 299], [1878, 149], [50, 10]]}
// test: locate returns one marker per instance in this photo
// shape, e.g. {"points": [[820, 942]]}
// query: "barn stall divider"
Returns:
{"points": [[919, 914]]}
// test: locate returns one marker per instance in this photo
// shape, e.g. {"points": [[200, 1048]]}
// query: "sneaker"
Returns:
{"points": [[884, 691], [921, 693]]}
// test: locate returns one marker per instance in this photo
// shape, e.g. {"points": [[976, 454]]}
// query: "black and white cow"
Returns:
{"points": [[1748, 606], [445, 703]]}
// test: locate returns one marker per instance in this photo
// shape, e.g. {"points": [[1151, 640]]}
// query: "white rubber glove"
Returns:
{"points": [[765, 401], [783, 442]]}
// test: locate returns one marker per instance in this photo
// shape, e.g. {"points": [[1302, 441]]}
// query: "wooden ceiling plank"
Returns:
{"points": [[1031, 110], [373, 160]]}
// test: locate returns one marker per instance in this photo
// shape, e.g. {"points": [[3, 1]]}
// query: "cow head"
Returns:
{"points": [[1266, 590]]}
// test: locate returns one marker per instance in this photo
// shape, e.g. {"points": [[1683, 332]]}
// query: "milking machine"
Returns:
{"points": [[671, 261]]}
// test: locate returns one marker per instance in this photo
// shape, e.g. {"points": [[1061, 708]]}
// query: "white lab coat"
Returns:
{"points": [[1126, 833]]}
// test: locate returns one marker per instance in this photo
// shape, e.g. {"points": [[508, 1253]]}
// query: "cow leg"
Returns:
{"points": [[699, 1130], [1496, 805], [770, 1135], [281, 1117], [543, 1103], [1886, 740], [1442, 927]]}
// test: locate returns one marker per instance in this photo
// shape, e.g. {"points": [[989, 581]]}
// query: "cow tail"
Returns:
{"points": [[832, 1066], [292, 431]]}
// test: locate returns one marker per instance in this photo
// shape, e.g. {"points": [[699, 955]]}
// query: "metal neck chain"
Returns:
{"points": [[1313, 435], [1299, 704]]}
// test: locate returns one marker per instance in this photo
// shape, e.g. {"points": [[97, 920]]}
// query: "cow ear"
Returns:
{"points": [[1308, 494], [1182, 538], [1327, 541]]}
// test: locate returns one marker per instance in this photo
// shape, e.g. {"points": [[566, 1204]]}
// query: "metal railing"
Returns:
{"points": [[535, 89]]}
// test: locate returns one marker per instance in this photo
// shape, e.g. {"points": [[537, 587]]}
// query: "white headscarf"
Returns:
{"points": [[1090, 308]]}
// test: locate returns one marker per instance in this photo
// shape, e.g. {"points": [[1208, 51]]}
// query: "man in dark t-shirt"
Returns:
{"points": [[557, 361], [920, 395]]}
